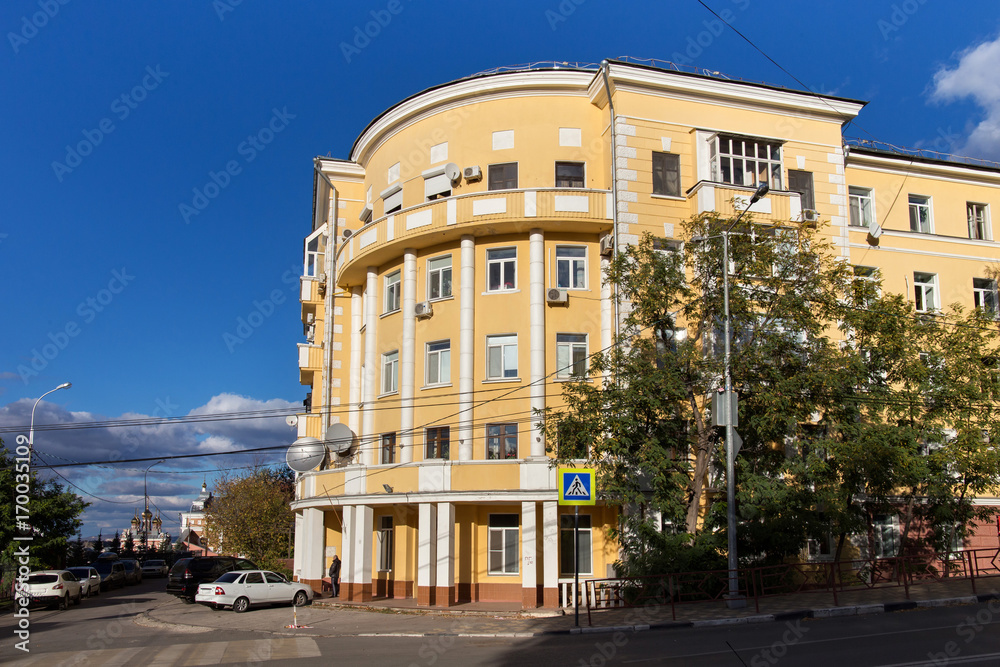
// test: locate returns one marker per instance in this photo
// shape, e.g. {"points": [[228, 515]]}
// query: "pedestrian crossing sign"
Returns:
{"points": [[576, 486]]}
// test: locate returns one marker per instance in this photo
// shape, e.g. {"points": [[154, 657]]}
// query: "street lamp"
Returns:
{"points": [[31, 427], [146, 514], [734, 600]]}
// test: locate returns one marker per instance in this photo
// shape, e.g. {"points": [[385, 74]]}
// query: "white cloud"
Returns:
{"points": [[172, 485], [975, 77]]}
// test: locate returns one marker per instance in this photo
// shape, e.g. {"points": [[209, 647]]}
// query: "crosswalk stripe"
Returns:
{"points": [[167, 656], [210, 654], [124, 656]]}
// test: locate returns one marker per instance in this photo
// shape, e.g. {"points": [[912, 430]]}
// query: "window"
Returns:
{"points": [[503, 556], [920, 214], [802, 182], [925, 292], [438, 362], [501, 441], [568, 175], [392, 293], [501, 269], [390, 372], [388, 448], [502, 176], [978, 221], [984, 295], [384, 539], [571, 267], [392, 198], [501, 357], [862, 204], [436, 440], [571, 356], [666, 174], [743, 161], [886, 534], [439, 277], [566, 540], [315, 247], [865, 283]]}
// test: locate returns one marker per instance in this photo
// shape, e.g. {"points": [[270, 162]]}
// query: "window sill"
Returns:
{"points": [[501, 291], [500, 380], [450, 297], [388, 393], [669, 198], [436, 386], [390, 312], [503, 574], [574, 379]]}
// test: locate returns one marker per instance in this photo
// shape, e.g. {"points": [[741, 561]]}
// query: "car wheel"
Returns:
{"points": [[300, 599], [79, 597], [64, 602], [188, 600], [241, 605]]}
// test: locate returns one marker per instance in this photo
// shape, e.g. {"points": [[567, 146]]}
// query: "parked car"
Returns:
{"points": [[112, 573], [90, 579], [154, 568], [59, 587], [188, 573], [242, 590], [133, 571]]}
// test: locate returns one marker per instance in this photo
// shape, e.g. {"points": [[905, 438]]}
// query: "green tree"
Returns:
{"points": [[53, 514], [116, 543], [76, 552], [129, 545], [251, 516]]}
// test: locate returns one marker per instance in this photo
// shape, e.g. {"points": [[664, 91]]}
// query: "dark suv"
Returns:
{"points": [[187, 573]]}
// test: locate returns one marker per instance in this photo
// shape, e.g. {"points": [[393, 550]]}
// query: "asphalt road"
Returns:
{"points": [[103, 631]]}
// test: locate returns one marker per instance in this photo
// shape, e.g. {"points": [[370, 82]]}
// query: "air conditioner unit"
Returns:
{"points": [[555, 295], [347, 233], [810, 215], [473, 173], [607, 244], [423, 309], [310, 318]]}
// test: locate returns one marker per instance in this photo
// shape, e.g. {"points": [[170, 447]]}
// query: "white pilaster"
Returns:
{"points": [[466, 347], [367, 436], [297, 557], [550, 544], [426, 545], [363, 517], [347, 546], [536, 316], [354, 386], [607, 308], [407, 361], [529, 549], [445, 546], [313, 544]]}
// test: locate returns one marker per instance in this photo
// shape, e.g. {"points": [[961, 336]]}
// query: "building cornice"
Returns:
{"points": [[904, 165]]}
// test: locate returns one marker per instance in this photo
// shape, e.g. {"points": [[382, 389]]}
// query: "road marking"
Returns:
{"points": [[211, 654], [167, 656]]}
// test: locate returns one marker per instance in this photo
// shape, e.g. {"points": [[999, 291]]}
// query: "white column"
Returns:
{"points": [[363, 517], [550, 544], [347, 546], [354, 376], [607, 310], [536, 317], [407, 362], [445, 547], [426, 545], [297, 556], [313, 543], [466, 347], [529, 551], [369, 441]]}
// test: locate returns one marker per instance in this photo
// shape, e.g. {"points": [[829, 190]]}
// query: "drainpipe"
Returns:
{"points": [[605, 66], [326, 406]]}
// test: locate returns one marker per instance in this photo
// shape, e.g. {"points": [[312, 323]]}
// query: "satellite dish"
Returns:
{"points": [[453, 172], [305, 454], [291, 420], [339, 437]]}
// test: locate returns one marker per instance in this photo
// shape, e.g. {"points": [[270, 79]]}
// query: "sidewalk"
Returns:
{"points": [[402, 618]]}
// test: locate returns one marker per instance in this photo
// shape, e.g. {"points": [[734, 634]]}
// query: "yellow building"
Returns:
{"points": [[453, 279]]}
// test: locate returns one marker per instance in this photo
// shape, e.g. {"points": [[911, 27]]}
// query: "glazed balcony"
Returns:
{"points": [[496, 212]]}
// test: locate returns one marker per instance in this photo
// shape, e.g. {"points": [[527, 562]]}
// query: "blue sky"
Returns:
{"points": [[118, 115]]}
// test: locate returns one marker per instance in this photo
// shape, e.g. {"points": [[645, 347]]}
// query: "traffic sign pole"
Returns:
{"points": [[576, 563]]}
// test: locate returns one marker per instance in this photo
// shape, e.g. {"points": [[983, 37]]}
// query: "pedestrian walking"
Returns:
{"points": [[335, 575]]}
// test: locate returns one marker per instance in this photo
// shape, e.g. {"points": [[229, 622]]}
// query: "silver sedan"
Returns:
{"points": [[242, 590]]}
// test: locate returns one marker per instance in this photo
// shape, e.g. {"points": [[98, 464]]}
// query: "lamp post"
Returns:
{"points": [[734, 600], [31, 427], [146, 514]]}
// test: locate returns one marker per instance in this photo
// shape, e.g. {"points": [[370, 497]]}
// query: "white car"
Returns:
{"points": [[90, 579], [59, 587], [154, 568], [242, 590]]}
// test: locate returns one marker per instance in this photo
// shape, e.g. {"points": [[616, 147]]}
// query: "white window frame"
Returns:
{"points": [[723, 161], [312, 264], [504, 345], [567, 346], [500, 437], [861, 206], [508, 536], [984, 296], [393, 292], [566, 538], [979, 221], [574, 263], [918, 204], [925, 292], [502, 262], [390, 372], [437, 361], [436, 271], [385, 544]]}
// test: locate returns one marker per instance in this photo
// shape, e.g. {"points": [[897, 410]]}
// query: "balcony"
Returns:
{"points": [[778, 205], [497, 212]]}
